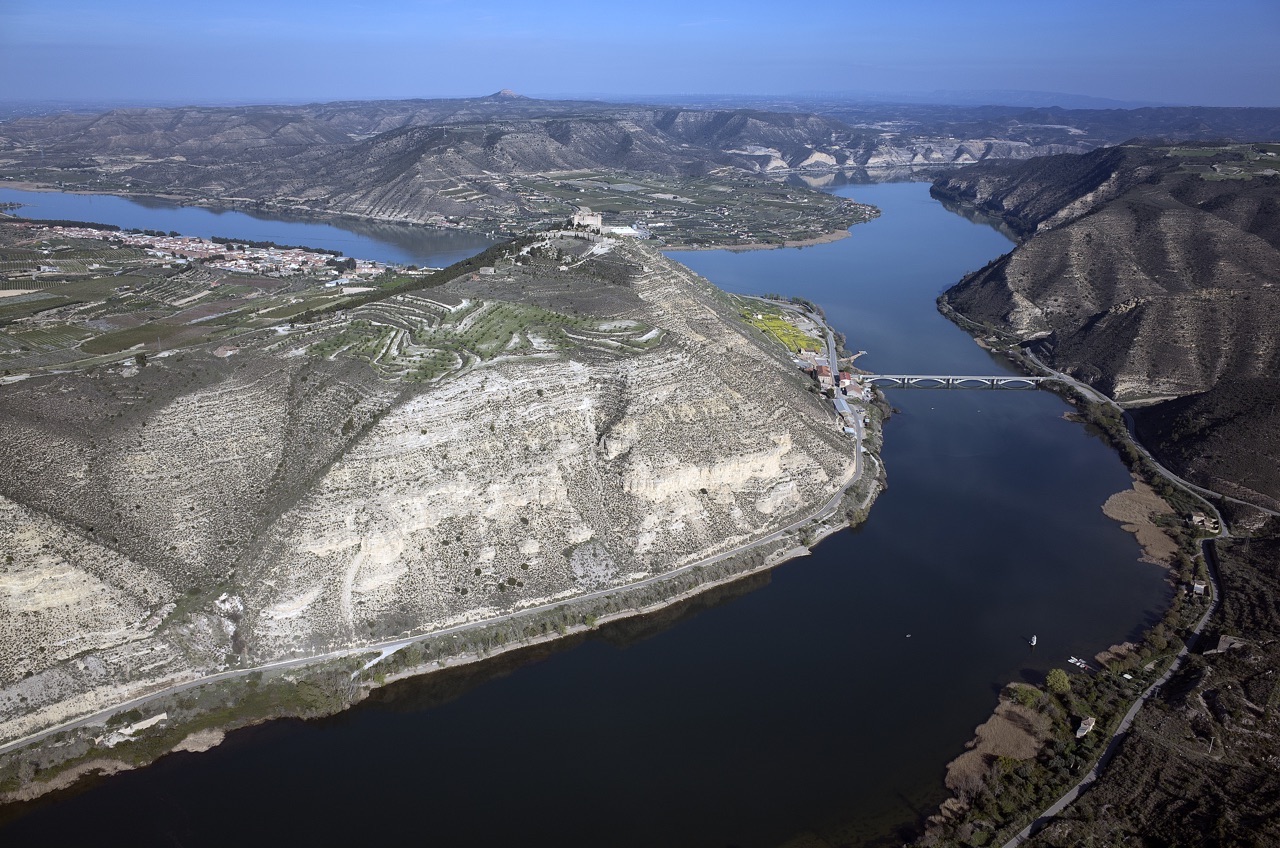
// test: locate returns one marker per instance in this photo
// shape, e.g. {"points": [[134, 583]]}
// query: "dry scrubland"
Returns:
{"points": [[1014, 732], [1198, 766], [396, 468], [1150, 274]]}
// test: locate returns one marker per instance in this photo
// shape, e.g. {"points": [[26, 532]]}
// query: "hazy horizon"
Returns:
{"points": [[1027, 99], [147, 52]]}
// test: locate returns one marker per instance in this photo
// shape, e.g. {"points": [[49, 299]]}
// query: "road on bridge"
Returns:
{"points": [[1094, 394], [955, 381]]}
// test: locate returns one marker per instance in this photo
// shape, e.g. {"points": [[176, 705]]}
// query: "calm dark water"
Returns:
{"points": [[393, 243], [825, 698]]}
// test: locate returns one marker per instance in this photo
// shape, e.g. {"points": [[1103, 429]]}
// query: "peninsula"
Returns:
{"points": [[314, 489]]}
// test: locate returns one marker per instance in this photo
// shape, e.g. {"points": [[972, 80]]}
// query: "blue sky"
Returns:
{"points": [[141, 51]]}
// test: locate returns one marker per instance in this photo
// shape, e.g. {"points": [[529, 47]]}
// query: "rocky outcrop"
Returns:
{"points": [[169, 521], [925, 151], [1044, 193], [1137, 276]]}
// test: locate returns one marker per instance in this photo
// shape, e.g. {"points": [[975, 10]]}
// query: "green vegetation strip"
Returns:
{"points": [[773, 322]]}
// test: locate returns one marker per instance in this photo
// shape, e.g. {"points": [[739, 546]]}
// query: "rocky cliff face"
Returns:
{"points": [[923, 152], [303, 493], [1041, 194], [1135, 275]]}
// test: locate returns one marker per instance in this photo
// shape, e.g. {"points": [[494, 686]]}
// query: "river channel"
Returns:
{"points": [[817, 705], [382, 242]]}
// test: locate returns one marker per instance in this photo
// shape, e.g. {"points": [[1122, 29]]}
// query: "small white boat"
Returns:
{"points": [[1033, 640]]}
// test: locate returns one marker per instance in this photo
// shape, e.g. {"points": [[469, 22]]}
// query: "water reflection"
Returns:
{"points": [[403, 244], [819, 702]]}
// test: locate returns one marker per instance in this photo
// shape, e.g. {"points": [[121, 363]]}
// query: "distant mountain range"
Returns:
{"points": [[418, 160], [975, 97]]}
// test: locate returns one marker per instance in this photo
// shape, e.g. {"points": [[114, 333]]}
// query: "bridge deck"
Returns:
{"points": [[953, 381]]}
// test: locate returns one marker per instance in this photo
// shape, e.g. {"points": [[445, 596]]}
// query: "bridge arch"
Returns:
{"points": [[940, 381]]}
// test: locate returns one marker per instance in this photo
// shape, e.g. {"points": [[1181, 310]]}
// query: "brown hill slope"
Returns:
{"points": [[1146, 278], [414, 160], [1228, 436], [329, 485]]}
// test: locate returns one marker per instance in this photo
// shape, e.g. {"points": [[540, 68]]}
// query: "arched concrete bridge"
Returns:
{"points": [[949, 381]]}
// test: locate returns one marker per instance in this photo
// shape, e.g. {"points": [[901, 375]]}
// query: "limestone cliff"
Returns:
{"points": [[319, 488]]}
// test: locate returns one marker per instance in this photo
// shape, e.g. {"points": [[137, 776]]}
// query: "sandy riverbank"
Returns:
{"points": [[1013, 731], [1137, 510]]}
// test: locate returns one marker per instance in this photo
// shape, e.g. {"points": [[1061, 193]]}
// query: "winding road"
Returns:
{"points": [[1093, 394], [1121, 731], [390, 646]]}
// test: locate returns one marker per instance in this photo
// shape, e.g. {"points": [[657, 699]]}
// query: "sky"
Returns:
{"points": [[262, 51]]}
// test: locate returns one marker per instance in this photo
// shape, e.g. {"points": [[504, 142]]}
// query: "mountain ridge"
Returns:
{"points": [[1150, 281]]}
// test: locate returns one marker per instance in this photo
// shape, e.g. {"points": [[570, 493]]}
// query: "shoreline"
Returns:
{"points": [[1121, 507], [307, 215], [825, 238], [204, 738], [298, 214], [845, 507], [1135, 509]]}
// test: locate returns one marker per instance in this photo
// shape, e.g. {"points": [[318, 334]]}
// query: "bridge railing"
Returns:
{"points": [[952, 381]]}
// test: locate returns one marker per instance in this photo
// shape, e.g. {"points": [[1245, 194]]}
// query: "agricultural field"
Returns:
{"points": [[68, 302], [537, 305], [1230, 162], [778, 324], [428, 336], [416, 339], [708, 211]]}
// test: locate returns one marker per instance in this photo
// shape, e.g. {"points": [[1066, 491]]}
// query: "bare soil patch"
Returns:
{"points": [[201, 740], [1114, 653], [1137, 510], [1013, 731]]}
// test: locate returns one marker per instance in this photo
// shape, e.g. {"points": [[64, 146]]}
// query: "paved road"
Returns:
{"points": [[1117, 738], [1091, 392], [396, 644], [832, 360]]}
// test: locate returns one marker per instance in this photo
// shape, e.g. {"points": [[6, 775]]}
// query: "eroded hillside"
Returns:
{"points": [[427, 161], [1149, 273], [585, 415]]}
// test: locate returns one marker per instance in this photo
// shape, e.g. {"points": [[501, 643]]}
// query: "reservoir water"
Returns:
{"points": [[819, 702], [402, 244]]}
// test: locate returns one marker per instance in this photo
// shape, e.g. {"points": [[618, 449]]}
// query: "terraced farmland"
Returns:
{"points": [[416, 338], [774, 323]]}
